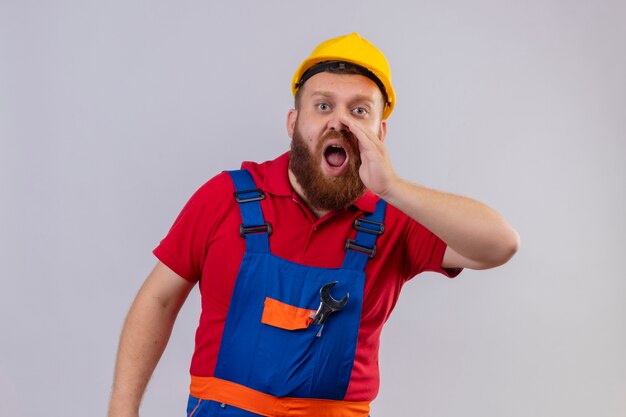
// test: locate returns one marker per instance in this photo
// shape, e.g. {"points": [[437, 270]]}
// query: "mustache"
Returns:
{"points": [[344, 136]]}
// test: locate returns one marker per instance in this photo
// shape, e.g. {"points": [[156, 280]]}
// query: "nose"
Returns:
{"points": [[335, 123]]}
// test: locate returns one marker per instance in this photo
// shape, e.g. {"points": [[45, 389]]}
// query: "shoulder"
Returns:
{"points": [[398, 218], [404, 231], [270, 175], [213, 190]]}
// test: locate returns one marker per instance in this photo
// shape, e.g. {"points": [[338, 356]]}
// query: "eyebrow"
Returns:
{"points": [[321, 93], [358, 97]]}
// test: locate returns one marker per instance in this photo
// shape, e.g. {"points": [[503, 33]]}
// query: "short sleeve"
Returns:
{"points": [[184, 247], [425, 251]]}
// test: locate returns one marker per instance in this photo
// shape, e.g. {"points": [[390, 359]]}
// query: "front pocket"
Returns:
{"points": [[285, 316]]}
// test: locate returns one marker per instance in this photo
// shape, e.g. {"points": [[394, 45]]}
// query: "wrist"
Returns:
{"points": [[393, 189]]}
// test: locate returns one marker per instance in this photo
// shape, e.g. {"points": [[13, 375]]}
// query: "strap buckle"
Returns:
{"points": [[240, 196], [351, 244], [361, 224], [262, 228]]}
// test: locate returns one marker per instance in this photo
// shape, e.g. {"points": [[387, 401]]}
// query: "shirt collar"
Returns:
{"points": [[276, 181]]}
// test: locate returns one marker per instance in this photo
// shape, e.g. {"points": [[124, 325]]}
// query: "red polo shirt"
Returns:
{"points": [[204, 245]]}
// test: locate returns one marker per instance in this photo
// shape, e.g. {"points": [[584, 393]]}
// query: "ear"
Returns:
{"points": [[292, 116], [383, 130]]}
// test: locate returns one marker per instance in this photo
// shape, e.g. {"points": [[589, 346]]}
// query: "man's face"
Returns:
{"points": [[325, 158]]}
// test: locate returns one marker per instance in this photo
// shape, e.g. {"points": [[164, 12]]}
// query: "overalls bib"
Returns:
{"points": [[273, 359]]}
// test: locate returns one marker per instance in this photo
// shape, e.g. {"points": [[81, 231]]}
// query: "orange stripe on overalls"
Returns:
{"points": [[214, 389]]}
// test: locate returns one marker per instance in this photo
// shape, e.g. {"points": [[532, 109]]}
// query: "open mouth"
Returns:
{"points": [[335, 155]]}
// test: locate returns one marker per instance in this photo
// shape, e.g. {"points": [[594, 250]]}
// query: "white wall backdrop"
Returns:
{"points": [[113, 112]]}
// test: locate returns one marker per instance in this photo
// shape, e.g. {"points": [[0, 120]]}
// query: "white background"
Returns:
{"points": [[113, 113]]}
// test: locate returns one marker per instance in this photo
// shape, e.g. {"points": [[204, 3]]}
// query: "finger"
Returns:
{"points": [[363, 135]]}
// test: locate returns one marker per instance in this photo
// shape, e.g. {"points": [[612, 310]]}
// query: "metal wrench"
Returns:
{"points": [[328, 304]]}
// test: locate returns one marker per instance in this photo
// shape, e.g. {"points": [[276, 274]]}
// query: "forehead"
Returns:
{"points": [[342, 86]]}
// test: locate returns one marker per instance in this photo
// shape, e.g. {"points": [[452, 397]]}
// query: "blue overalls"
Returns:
{"points": [[290, 356]]}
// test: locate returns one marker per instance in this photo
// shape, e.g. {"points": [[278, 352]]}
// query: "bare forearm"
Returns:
{"points": [[471, 228], [144, 337], [478, 236]]}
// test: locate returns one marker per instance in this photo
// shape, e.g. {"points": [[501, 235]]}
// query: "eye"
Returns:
{"points": [[323, 106], [360, 111]]}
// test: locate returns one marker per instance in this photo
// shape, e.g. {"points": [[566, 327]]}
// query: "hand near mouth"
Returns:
{"points": [[376, 170]]}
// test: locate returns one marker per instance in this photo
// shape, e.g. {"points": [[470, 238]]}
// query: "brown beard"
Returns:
{"points": [[322, 191]]}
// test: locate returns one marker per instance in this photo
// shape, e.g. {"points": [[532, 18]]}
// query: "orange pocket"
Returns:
{"points": [[285, 316]]}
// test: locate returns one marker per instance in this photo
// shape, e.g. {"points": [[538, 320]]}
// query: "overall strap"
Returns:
{"points": [[363, 246], [253, 228]]}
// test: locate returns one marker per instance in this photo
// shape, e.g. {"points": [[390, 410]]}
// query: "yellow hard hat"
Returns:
{"points": [[354, 49]]}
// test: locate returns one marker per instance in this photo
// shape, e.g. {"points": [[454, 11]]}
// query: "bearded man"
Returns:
{"points": [[300, 260]]}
